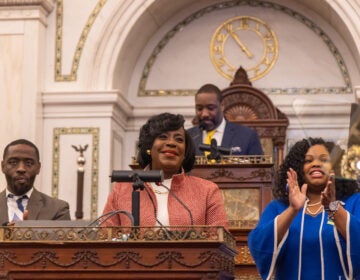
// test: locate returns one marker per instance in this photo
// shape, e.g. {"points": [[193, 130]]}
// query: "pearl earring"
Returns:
{"points": [[148, 152]]}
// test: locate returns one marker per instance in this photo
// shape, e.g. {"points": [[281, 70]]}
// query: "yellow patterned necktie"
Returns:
{"points": [[208, 138]]}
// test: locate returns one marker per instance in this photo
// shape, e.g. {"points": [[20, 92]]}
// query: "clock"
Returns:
{"points": [[247, 42]]}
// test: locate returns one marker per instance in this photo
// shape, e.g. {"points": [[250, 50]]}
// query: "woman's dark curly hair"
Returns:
{"points": [[295, 159], [153, 128]]}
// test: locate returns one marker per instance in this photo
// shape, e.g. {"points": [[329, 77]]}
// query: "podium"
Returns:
{"points": [[116, 253], [246, 185]]}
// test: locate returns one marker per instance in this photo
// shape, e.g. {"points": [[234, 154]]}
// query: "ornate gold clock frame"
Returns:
{"points": [[244, 41]]}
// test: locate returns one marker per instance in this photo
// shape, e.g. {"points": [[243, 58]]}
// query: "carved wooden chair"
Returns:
{"points": [[247, 105]]}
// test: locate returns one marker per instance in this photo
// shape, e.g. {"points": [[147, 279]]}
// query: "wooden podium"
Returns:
{"points": [[246, 185], [116, 253]]}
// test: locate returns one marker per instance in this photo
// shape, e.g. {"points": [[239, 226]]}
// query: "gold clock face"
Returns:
{"points": [[244, 41]]}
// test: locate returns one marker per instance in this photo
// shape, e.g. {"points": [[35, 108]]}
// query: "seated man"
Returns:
{"points": [[20, 200], [208, 107]]}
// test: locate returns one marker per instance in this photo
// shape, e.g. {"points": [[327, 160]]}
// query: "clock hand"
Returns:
{"points": [[242, 46]]}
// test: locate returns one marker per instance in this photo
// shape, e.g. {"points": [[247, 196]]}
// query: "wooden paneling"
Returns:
{"points": [[247, 188], [63, 253]]}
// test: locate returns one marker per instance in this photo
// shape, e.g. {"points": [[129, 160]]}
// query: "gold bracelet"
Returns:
{"points": [[331, 215]]}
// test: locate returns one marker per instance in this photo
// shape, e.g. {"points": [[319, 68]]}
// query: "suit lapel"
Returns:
{"points": [[228, 135], [197, 134], [34, 205], [4, 216], [197, 137]]}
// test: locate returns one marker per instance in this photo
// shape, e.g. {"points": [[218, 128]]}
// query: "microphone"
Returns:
{"points": [[202, 125], [97, 222], [222, 150], [138, 178], [131, 175]]}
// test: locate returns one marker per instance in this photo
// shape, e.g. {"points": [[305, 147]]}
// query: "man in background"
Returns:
{"points": [[212, 125], [20, 200]]}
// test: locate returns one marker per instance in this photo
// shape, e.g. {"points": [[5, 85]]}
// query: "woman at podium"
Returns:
{"points": [[180, 199]]}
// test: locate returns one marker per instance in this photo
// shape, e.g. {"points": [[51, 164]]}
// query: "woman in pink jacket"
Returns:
{"points": [[181, 199]]}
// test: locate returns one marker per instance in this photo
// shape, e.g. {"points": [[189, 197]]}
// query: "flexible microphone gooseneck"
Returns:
{"points": [[181, 202], [155, 211], [202, 125], [97, 222], [168, 232]]}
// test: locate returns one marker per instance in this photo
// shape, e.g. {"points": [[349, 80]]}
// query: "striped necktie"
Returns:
{"points": [[19, 201]]}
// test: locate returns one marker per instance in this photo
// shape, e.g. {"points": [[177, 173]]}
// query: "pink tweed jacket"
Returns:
{"points": [[202, 197]]}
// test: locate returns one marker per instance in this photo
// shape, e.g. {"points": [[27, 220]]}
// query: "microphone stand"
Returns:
{"points": [[214, 152], [135, 198], [138, 178]]}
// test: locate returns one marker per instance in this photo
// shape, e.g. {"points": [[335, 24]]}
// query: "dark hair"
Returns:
{"points": [[295, 159], [154, 127], [210, 88], [21, 142], [345, 187]]}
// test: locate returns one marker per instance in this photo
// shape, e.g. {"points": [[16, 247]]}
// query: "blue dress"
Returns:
{"points": [[309, 249]]}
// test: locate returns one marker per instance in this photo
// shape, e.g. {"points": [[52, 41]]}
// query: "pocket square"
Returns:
{"points": [[235, 150]]}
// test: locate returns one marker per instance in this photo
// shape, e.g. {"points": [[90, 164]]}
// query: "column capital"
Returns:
{"points": [[47, 5]]}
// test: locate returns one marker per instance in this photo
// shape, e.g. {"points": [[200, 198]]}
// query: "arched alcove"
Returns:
{"points": [[127, 34]]}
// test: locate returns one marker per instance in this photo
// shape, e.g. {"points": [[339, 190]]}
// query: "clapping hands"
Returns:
{"points": [[297, 195]]}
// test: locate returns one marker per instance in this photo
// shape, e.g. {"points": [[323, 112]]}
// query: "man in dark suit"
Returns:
{"points": [[20, 200], [209, 111]]}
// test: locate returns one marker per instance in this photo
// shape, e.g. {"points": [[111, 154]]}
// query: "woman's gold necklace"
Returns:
{"points": [[317, 203], [157, 191], [316, 212], [160, 192]]}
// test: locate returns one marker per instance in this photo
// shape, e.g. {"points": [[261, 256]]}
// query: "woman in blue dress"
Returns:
{"points": [[311, 230]]}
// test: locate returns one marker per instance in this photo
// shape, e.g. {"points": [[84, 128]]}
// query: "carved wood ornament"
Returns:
{"points": [[247, 105]]}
